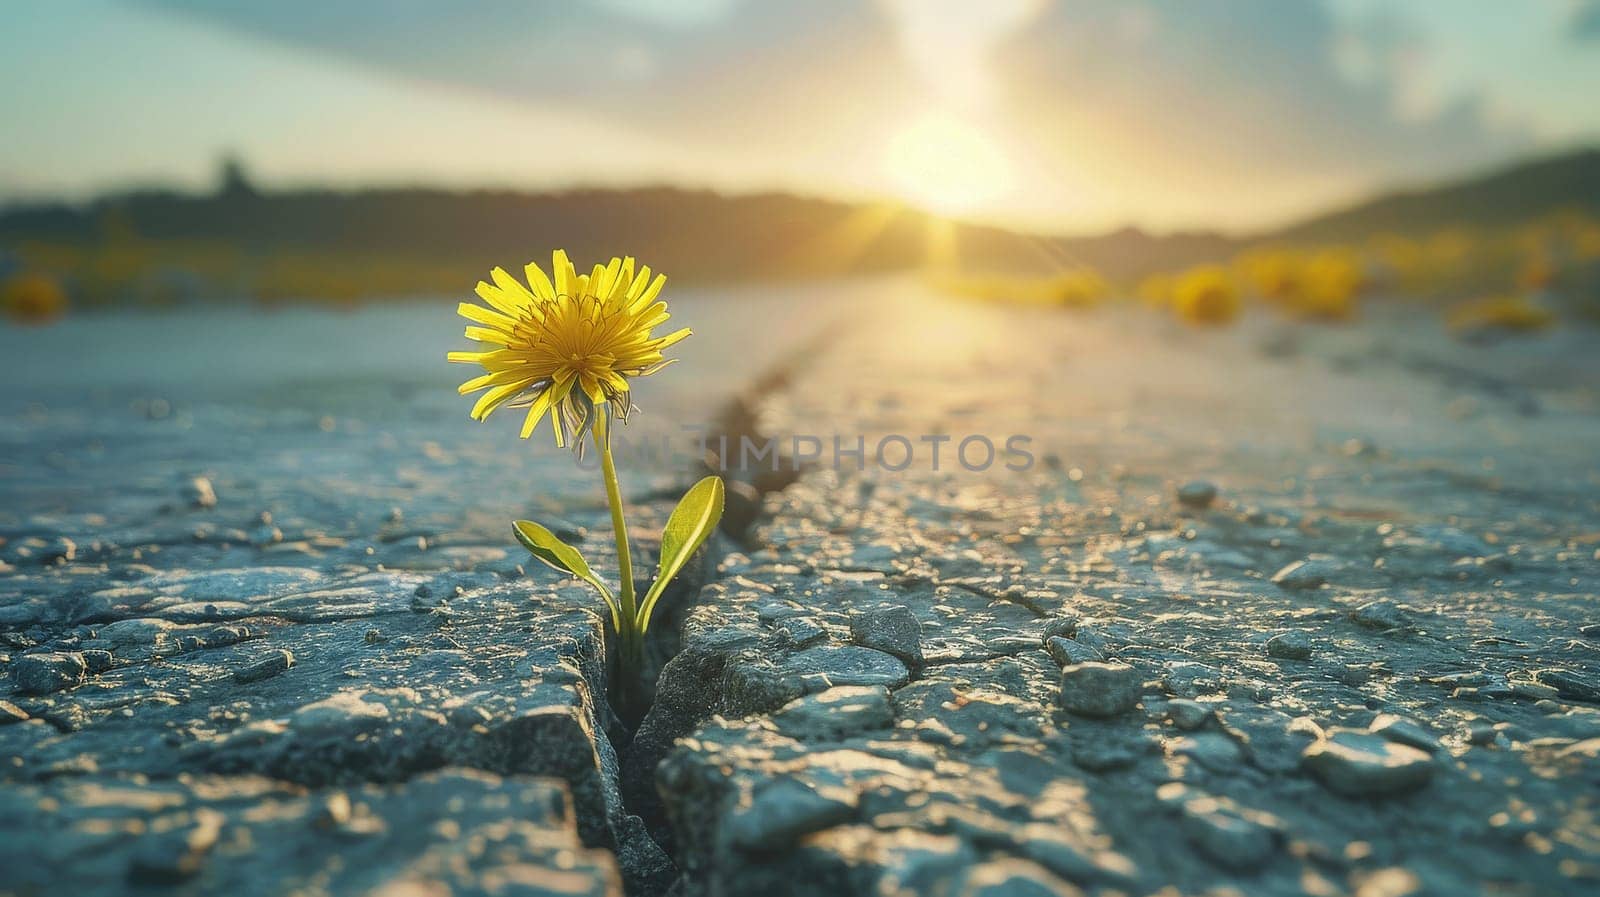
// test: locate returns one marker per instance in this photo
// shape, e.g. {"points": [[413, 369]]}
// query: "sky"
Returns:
{"points": [[1062, 115]]}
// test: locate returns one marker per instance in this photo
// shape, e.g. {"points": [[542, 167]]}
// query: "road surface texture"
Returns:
{"points": [[1265, 610]]}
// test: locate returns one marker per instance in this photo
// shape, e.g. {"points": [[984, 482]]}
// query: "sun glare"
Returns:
{"points": [[946, 165]]}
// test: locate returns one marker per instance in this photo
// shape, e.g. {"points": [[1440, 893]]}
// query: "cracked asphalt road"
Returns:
{"points": [[1276, 610]]}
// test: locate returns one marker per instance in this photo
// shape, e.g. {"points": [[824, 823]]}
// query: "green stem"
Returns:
{"points": [[630, 625]]}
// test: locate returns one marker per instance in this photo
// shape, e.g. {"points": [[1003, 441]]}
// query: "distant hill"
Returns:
{"points": [[697, 235], [423, 240], [1504, 197]]}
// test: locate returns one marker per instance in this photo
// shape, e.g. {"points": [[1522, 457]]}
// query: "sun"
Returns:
{"points": [[946, 165]]}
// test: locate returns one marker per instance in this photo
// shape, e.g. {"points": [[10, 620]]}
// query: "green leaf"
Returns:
{"points": [[692, 522], [544, 545]]}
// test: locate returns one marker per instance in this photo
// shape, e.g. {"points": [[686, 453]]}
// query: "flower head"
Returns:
{"points": [[566, 347], [1206, 295]]}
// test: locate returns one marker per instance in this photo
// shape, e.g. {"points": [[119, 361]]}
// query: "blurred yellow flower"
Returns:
{"points": [[32, 298], [1206, 295], [566, 346], [1333, 280]]}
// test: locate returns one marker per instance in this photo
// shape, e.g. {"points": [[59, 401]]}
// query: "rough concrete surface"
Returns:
{"points": [[1318, 621]]}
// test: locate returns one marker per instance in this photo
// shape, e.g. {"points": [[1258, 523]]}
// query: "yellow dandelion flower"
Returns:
{"points": [[1206, 295], [566, 346], [32, 298]]}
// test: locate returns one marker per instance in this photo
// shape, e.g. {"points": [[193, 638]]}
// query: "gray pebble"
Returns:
{"points": [[1188, 715], [1062, 626], [1100, 689], [1065, 651], [1197, 494], [265, 667], [892, 630], [41, 674], [1307, 574], [1404, 731], [1379, 615], [1361, 764], [1292, 645]]}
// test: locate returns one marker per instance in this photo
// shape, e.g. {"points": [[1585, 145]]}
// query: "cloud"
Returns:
{"points": [[1243, 93], [715, 71], [1205, 110]]}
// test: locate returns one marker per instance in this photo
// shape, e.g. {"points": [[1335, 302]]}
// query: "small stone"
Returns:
{"points": [[1361, 764], [1307, 574], [892, 630], [1234, 837], [1188, 715], [1291, 645], [1569, 684], [1066, 651], [265, 667], [1379, 615], [1103, 636], [1197, 494], [41, 674], [1404, 731], [1100, 690], [11, 713], [198, 493], [781, 811], [1062, 626]]}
